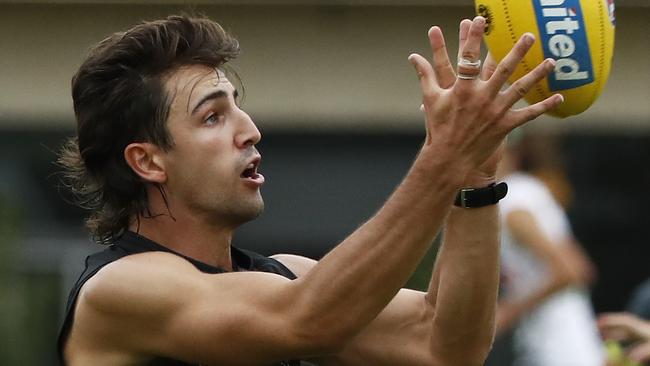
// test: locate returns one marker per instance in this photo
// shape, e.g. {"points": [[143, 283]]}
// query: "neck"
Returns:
{"points": [[189, 236]]}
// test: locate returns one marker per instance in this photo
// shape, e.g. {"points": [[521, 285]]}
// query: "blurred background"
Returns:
{"points": [[337, 102]]}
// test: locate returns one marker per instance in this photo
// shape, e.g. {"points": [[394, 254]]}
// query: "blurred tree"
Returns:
{"points": [[28, 305], [10, 287]]}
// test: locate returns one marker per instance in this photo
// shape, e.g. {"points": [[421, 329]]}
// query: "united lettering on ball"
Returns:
{"points": [[578, 34], [562, 29]]}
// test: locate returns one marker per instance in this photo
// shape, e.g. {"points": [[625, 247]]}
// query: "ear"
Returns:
{"points": [[146, 161]]}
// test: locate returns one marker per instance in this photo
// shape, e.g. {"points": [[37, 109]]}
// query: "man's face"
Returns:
{"points": [[212, 166]]}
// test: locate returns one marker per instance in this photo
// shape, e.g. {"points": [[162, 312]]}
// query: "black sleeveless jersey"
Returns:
{"points": [[132, 243]]}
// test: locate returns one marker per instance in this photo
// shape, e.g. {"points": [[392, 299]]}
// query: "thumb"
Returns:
{"points": [[426, 75]]}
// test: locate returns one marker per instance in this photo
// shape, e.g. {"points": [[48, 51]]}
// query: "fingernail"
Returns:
{"points": [[561, 98], [529, 38], [480, 19], [549, 64]]}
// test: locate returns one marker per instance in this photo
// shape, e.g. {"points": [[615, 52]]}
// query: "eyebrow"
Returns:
{"points": [[212, 96]]}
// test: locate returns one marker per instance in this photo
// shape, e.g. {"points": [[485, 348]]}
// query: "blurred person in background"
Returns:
{"points": [[166, 161], [12, 311], [545, 272]]}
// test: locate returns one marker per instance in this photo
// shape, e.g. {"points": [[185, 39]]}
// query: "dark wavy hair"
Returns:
{"points": [[119, 98]]}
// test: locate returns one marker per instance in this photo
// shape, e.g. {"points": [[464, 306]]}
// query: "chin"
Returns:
{"points": [[255, 212], [246, 212]]}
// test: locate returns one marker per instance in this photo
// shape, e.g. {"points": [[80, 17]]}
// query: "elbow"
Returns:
{"points": [[462, 360], [562, 281], [317, 328], [465, 358], [317, 337], [471, 356], [566, 278], [318, 342], [478, 355], [468, 349]]}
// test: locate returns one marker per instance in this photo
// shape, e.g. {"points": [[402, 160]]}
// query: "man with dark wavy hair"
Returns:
{"points": [[165, 160]]}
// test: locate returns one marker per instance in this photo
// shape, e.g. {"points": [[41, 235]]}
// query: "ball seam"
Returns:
{"points": [[536, 87], [601, 60]]}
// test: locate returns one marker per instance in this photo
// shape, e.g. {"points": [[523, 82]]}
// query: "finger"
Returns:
{"points": [[510, 62], [424, 70], [615, 319], [489, 66], [463, 33], [640, 353], [521, 87], [616, 326], [471, 47], [617, 334], [441, 64], [523, 115], [469, 63], [631, 323]]}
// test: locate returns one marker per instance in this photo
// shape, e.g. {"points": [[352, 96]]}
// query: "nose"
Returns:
{"points": [[247, 133]]}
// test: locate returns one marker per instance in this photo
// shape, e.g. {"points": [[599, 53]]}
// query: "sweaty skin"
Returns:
{"points": [[346, 309]]}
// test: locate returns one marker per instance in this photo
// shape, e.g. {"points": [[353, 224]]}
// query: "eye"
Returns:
{"points": [[214, 118]]}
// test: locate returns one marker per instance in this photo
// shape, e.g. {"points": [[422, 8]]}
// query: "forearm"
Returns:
{"points": [[463, 289], [356, 280]]}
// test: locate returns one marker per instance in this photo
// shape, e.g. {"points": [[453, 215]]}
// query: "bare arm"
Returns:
{"points": [[451, 325], [463, 287], [464, 297], [397, 336]]}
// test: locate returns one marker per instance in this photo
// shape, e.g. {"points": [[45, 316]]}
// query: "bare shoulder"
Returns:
{"points": [[299, 265], [132, 291], [158, 304], [146, 278], [156, 283]]}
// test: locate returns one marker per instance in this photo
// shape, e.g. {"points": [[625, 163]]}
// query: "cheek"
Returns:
{"points": [[204, 164], [196, 178], [201, 156]]}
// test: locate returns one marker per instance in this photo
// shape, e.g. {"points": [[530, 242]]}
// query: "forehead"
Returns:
{"points": [[189, 83]]}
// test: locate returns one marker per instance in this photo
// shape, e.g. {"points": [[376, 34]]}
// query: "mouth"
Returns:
{"points": [[250, 173]]}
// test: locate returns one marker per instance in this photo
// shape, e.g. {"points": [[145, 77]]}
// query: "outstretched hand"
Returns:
{"points": [[625, 327], [466, 110]]}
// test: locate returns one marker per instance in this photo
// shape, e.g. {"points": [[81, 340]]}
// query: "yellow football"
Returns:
{"points": [[578, 34]]}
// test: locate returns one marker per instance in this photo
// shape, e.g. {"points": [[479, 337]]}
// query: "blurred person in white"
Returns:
{"points": [[544, 270]]}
